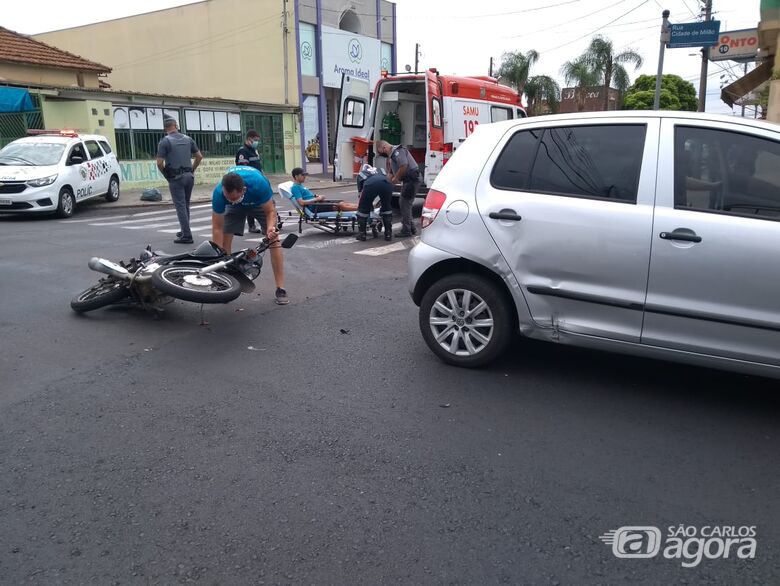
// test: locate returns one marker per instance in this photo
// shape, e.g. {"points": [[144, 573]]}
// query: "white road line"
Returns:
{"points": [[205, 221], [166, 211], [394, 247]]}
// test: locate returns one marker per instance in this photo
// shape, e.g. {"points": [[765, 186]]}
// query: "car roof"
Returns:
{"points": [[57, 138], [628, 114]]}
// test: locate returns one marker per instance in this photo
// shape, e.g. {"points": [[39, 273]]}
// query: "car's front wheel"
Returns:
{"points": [[113, 189], [466, 320], [66, 204]]}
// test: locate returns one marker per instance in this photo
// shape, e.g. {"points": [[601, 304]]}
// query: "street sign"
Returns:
{"points": [[694, 34], [741, 45]]}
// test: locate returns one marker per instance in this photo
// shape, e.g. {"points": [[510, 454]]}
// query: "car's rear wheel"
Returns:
{"points": [[66, 203], [113, 189], [466, 320]]}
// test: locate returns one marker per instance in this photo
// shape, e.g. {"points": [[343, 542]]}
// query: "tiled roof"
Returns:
{"points": [[17, 48]]}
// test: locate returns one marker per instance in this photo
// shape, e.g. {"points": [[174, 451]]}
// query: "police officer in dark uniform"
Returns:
{"points": [[175, 155], [404, 169], [248, 155], [373, 183]]}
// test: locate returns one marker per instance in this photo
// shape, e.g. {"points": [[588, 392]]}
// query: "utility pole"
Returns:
{"points": [[285, 33], [490, 71], [416, 56], [743, 97], [659, 77], [704, 60]]}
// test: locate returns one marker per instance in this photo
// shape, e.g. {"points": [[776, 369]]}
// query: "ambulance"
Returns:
{"points": [[430, 114]]}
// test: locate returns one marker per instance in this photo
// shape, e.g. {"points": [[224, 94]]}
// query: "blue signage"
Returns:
{"points": [[694, 34]]}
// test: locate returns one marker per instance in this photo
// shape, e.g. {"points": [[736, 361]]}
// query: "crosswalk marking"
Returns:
{"points": [[165, 222], [388, 248], [159, 212]]}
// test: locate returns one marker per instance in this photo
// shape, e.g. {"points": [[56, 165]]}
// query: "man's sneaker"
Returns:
{"points": [[281, 296], [183, 240], [255, 230], [403, 234]]}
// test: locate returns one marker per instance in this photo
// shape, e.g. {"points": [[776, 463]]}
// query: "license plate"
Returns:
{"points": [[5, 202]]}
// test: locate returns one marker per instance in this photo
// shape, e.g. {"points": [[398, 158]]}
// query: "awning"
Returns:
{"points": [[747, 83], [15, 99]]}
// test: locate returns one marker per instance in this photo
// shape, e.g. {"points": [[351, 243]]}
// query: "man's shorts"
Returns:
{"points": [[236, 215]]}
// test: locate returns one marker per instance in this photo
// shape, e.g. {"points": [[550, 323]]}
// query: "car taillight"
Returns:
{"points": [[446, 153], [433, 202]]}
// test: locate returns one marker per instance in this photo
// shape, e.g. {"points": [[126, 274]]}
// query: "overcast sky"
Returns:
{"points": [[460, 36]]}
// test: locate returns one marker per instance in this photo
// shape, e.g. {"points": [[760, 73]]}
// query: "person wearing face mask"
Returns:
{"points": [[248, 155]]}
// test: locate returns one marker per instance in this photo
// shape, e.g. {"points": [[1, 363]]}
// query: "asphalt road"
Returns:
{"points": [[322, 443]]}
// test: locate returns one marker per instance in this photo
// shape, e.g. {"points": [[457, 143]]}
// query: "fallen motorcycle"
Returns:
{"points": [[207, 274]]}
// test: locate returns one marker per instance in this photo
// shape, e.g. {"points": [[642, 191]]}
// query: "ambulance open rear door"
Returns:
{"points": [[352, 122]]}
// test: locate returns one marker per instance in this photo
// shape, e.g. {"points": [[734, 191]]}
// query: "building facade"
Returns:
{"points": [[270, 57]]}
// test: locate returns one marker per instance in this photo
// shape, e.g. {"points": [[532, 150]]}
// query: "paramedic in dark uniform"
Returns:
{"points": [[174, 160], [248, 155], [404, 170], [373, 183]]}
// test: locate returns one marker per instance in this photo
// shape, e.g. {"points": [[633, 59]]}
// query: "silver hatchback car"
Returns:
{"points": [[655, 234]]}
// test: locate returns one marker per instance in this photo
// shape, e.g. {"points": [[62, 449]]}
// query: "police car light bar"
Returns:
{"points": [[60, 132]]}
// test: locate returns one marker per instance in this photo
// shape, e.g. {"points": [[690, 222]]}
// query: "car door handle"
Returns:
{"points": [[683, 234], [504, 216]]}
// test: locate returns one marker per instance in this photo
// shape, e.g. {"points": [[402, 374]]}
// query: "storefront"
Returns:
{"points": [[332, 43]]}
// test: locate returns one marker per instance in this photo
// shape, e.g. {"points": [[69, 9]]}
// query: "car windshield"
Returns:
{"points": [[32, 153]]}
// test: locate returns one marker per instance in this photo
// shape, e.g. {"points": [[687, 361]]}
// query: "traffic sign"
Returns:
{"points": [[694, 34]]}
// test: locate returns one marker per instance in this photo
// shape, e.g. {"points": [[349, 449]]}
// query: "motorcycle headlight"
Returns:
{"points": [[42, 181]]}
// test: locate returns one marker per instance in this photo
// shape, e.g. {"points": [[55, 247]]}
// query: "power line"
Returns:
{"points": [[186, 47], [572, 20], [637, 7]]}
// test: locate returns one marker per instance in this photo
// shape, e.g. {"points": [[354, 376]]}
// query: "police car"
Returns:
{"points": [[52, 171]]}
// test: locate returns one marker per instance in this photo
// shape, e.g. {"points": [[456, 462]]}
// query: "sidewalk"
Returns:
{"points": [[131, 197]]}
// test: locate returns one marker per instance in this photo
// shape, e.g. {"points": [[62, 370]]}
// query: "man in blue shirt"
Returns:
{"points": [[316, 203], [245, 192]]}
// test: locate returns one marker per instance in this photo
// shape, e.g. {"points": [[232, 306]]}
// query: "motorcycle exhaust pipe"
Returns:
{"points": [[101, 265]]}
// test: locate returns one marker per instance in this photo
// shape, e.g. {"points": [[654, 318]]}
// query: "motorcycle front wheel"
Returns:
{"points": [[106, 292], [185, 283]]}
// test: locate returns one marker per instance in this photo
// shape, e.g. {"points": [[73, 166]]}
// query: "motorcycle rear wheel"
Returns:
{"points": [[106, 292], [184, 283]]}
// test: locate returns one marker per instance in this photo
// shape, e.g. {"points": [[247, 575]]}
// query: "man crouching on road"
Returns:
{"points": [[245, 192]]}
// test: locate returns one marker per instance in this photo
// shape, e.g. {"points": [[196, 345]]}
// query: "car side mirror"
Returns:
{"points": [[76, 160]]}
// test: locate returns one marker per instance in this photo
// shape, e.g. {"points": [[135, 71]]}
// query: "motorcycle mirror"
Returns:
{"points": [[289, 241]]}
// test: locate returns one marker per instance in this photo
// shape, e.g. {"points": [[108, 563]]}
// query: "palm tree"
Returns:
{"points": [[579, 74], [515, 67], [541, 89], [602, 59]]}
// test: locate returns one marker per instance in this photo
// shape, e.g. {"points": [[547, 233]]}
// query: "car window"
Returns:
{"points": [[601, 161], [106, 147], [513, 167], [498, 114], [31, 153], [726, 172], [94, 149], [354, 113], [78, 150]]}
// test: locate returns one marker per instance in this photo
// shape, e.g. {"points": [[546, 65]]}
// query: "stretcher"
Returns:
{"points": [[332, 222]]}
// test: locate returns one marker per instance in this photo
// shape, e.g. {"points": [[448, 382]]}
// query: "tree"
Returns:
{"points": [[515, 67], [579, 74], [676, 94], [542, 89], [609, 66]]}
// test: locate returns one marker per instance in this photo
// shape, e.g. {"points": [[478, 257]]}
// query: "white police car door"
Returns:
{"points": [[77, 171], [353, 120]]}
